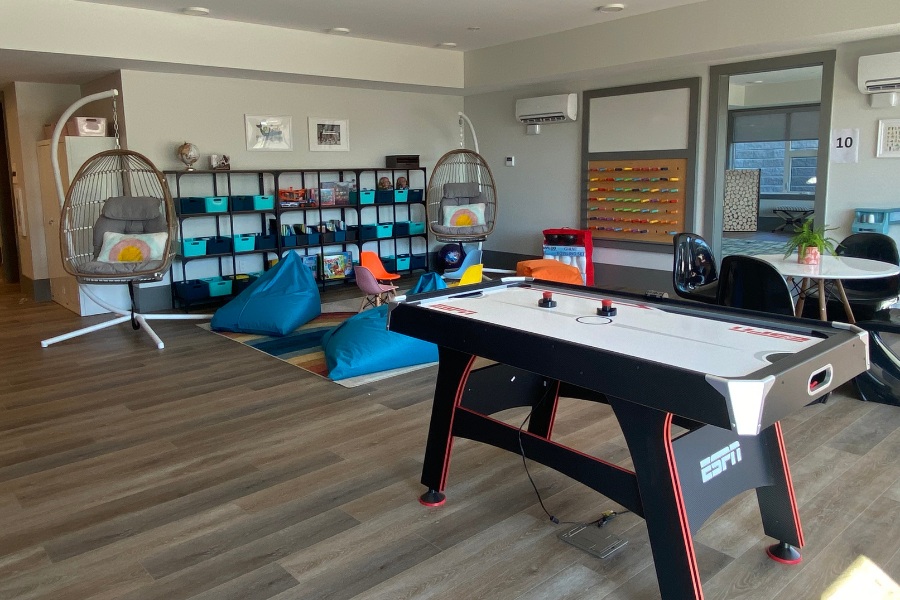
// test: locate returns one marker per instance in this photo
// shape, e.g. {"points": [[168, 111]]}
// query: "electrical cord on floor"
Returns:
{"points": [[604, 518]]}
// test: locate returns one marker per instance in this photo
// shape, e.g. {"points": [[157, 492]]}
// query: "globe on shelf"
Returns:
{"points": [[188, 154]]}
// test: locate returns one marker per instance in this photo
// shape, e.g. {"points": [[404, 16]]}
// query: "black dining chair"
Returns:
{"points": [[752, 283], [868, 296], [881, 383], [694, 273]]}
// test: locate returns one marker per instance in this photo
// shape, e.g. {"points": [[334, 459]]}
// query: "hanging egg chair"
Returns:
{"points": [[462, 197], [117, 226]]}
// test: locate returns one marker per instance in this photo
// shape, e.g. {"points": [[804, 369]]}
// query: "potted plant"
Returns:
{"points": [[810, 242]]}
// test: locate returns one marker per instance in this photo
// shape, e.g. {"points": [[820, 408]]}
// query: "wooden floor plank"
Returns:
{"points": [[208, 471]]}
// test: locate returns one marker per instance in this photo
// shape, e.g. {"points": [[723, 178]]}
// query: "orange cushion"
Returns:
{"points": [[549, 270]]}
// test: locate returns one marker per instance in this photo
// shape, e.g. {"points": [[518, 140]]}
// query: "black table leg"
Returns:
{"points": [[453, 371], [648, 434], [777, 504]]}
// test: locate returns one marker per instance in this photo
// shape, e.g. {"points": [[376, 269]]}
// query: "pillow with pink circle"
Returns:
{"points": [[132, 247], [466, 215]]}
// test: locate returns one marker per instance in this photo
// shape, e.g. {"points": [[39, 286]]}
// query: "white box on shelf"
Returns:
{"points": [[86, 126]]}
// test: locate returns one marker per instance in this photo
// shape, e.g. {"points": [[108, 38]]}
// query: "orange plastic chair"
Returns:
{"points": [[376, 293], [372, 262]]}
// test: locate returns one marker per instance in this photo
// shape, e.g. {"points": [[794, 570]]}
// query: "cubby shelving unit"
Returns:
{"points": [[346, 199]]}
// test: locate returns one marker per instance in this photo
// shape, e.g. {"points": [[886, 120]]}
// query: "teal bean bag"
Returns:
{"points": [[428, 282], [281, 300], [362, 345]]}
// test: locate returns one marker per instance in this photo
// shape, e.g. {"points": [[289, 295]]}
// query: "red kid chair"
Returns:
{"points": [[371, 261]]}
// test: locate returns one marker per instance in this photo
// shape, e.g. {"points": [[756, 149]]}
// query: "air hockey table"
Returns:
{"points": [[725, 377]]}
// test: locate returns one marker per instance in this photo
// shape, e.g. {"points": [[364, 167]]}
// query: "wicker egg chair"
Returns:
{"points": [[117, 227], [461, 201], [462, 198]]}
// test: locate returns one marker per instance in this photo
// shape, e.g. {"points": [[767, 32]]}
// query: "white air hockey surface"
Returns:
{"points": [[690, 342]]}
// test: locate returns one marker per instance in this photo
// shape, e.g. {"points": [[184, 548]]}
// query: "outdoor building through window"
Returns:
{"points": [[782, 143]]}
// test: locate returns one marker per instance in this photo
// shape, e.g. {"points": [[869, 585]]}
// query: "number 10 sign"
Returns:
{"points": [[845, 146]]}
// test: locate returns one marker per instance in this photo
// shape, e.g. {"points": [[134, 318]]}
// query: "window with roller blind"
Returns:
{"points": [[782, 143]]}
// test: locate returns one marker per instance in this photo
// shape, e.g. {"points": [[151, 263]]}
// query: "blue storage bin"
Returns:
{"points": [[218, 245], [384, 196], [418, 261], [192, 247], [216, 204], [240, 282], [191, 206], [401, 228], [401, 195], [340, 235], [288, 241], [376, 231], [327, 237], [265, 242], [367, 196], [390, 263], [191, 290], [403, 262], [416, 227], [244, 242], [251, 203], [416, 195], [352, 233]]}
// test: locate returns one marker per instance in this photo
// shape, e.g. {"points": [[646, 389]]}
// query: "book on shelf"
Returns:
{"points": [[337, 266]]}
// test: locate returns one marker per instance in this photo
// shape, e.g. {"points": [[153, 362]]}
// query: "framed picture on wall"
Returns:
{"points": [[888, 138], [329, 135], [268, 133]]}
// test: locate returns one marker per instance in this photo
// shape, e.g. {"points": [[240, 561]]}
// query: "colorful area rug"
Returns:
{"points": [[303, 348]]}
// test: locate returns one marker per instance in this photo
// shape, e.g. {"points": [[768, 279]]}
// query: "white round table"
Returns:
{"points": [[834, 268]]}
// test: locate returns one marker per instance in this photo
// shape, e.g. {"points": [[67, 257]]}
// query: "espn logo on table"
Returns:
{"points": [[718, 462]]}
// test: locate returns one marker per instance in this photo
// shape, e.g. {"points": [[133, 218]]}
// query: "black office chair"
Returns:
{"points": [[881, 383], [694, 274], [868, 296], [752, 283]]}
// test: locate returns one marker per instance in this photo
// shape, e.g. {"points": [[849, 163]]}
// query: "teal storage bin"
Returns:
{"points": [[367, 196], [192, 247], [218, 286], [416, 227], [244, 242], [385, 230], [266, 202], [401, 195], [248, 203], [403, 262], [216, 204]]}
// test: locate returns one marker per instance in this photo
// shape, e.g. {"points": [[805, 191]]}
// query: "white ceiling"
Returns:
{"points": [[425, 23]]}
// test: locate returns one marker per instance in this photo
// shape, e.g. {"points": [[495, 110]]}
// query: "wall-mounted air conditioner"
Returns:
{"points": [[879, 73], [547, 109]]}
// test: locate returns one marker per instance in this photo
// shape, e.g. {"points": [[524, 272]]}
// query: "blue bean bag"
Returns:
{"points": [[428, 282], [362, 345], [281, 300]]}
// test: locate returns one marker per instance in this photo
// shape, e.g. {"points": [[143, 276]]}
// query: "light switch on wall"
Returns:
{"points": [[510, 161]]}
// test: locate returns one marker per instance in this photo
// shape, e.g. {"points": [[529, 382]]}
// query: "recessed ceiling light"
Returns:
{"points": [[758, 81], [195, 11], [611, 8], [341, 30], [447, 44], [473, 28]]}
